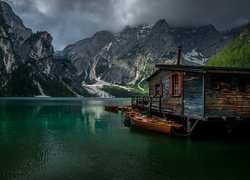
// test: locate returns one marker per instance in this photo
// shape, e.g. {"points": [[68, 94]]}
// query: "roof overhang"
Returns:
{"points": [[204, 69], [201, 69]]}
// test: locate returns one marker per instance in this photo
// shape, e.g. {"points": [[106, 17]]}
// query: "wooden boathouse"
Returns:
{"points": [[197, 93]]}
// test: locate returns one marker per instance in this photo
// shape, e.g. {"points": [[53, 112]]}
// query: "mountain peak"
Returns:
{"points": [[161, 22], [208, 27], [14, 26], [161, 26], [10, 17], [103, 33]]}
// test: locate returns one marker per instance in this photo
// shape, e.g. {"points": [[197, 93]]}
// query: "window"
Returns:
{"points": [[238, 84], [234, 84], [242, 84], [215, 83], [176, 84], [158, 90]]}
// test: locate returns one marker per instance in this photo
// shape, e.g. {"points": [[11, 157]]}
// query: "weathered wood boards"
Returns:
{"points": [[231, 98]]}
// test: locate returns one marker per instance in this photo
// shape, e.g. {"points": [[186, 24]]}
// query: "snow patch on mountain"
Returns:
{"points": [[195, 57], [110, 44], [96, 88], [40, 88], [140, 84]]}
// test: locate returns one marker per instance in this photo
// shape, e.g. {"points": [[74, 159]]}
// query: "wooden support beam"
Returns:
{"points": [[150, 107], [160, 105], [143, 102], [190, 126]]}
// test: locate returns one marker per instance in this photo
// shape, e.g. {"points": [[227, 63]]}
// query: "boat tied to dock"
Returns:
{"points": [[156, 124]]}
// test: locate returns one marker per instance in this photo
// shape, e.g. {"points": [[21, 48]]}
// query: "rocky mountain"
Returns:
{"points": [[134, 51], [199, 44], [26, 59], [130, 56], [82, 53]]}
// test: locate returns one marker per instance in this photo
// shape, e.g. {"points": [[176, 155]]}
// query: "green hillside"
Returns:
{"points": [[236, 53]]}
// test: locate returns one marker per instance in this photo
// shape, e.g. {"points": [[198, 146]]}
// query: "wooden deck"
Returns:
{"points": [[154, 105], [147, 103]]}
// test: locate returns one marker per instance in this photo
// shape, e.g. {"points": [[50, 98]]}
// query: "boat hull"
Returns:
{"points": [[152, 126]]}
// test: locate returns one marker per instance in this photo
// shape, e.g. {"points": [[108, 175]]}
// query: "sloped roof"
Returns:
{"points": [[201, 69]]}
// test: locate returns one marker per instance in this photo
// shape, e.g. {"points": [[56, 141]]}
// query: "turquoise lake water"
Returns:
{"points": [[77, 139]]}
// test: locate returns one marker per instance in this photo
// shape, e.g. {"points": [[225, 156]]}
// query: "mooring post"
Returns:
{"points": [[143, 102], [150, 104], [188, 125], [160, 104], [191, 126]]}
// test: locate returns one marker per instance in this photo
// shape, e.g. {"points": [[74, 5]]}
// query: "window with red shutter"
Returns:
{"points": [[180, 84], [175, 88], [154, 90], [170, 85]]}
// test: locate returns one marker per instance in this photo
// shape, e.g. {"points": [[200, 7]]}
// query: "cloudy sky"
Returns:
{"points": [[71, 20]]}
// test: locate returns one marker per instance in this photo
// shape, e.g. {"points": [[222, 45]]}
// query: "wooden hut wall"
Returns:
{"points": [[170, 103], [193, 95], [152, 82], [227, 95]]}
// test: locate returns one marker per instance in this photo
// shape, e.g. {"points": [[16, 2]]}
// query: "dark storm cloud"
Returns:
{"points": [[72, 20]]}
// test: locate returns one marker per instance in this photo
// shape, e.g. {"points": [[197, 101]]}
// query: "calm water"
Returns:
{"points": [[77, 139]]}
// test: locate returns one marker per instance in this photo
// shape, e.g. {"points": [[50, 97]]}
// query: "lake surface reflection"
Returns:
{"points": [[77, 139]]}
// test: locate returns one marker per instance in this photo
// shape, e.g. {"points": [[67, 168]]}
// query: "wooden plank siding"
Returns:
{"points": [[193, 94], [226, 100], [168, 103]]}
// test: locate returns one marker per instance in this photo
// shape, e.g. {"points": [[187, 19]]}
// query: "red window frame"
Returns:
{"points": [[175, 91], [158, 92]]}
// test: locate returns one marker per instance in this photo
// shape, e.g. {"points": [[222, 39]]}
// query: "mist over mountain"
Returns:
{"points": [[69, 21]]}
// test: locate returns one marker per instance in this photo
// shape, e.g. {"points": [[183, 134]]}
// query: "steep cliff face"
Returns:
{"points": [[135, 50], [38, 48], [82, 53], [18, 33], [7, 56], [159, 42], [26, 60]]}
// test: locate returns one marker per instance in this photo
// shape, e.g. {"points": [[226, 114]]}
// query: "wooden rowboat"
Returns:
{"points": [[130, 113], [154, 124]]}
